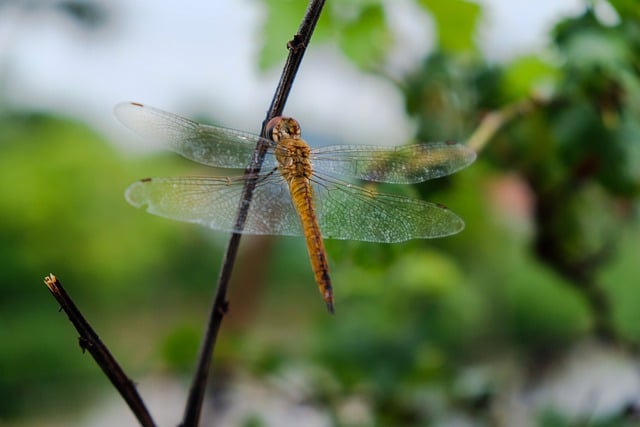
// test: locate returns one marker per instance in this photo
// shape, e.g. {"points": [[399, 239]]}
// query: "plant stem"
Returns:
{"points": [[297, 47], [89, 341]]}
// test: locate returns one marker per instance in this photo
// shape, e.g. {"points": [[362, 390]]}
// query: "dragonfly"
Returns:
{"points": [[299, 191]]}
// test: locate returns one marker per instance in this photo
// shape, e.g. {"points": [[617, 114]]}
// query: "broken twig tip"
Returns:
{"points": [[51, 281]]}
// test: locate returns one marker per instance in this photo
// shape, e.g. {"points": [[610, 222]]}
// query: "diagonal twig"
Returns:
{"points": [[297, 47], [496, 120], [90, 342]]}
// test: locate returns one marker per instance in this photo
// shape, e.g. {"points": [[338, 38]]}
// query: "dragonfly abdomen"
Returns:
{"points": [[302, 196]]}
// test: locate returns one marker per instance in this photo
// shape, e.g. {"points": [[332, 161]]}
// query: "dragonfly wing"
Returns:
{"points": [[349, 212], [401, 165], [213, 202], [208, 145]]}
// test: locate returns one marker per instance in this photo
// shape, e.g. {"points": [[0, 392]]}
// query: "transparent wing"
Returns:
{"points": [[353, 213], [213, 202], [209, 145], [401, 165], [344, 211]]}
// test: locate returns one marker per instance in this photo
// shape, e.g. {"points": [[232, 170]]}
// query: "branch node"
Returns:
{"points": [[223, 308], [84, 344], [296, 43]]}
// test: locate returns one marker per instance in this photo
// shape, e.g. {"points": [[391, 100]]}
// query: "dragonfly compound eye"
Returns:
{"points": [[280, 128], [291, 127], [272, 128]]}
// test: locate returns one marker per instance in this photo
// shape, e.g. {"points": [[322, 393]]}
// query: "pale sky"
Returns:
{"points": [[200, 56]]}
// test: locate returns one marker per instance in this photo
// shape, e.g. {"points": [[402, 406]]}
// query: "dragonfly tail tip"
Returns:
{"points": [[330, 307]]}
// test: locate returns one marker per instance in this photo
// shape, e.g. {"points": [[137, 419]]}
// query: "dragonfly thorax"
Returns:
{"points": [[292, 153], [293, 157]]}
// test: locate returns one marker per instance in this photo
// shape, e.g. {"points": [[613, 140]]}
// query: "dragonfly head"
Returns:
{"points": [[281, 128]]}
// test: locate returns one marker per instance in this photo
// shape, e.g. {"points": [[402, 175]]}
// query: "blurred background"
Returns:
{"points": [[528, 317]]}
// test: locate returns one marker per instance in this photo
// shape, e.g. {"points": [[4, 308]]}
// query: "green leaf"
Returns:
{"points": [[180, 348], [427, 272], [358, 27], [626, 8], [280, 25], [456, 21], [526, 74], [366, 39]]}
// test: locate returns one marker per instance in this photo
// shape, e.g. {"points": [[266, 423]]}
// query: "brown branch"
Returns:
{"points": [[297, 47], [494, 121], [90, 342]]}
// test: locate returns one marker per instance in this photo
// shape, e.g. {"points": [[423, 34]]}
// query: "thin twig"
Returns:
{"points": [[297, 47], [90, 342], [495, 120]]}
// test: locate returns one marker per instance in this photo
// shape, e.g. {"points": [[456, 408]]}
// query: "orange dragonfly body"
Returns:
{"points": [[300, 190]]}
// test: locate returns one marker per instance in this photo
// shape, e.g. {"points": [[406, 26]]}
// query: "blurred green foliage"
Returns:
{"points": [[62, 211], [548, 258], [357, 27], [419, 313], [456, 23]]}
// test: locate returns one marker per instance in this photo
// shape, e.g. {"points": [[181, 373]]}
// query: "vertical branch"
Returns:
{"points": [[297, 47]]}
